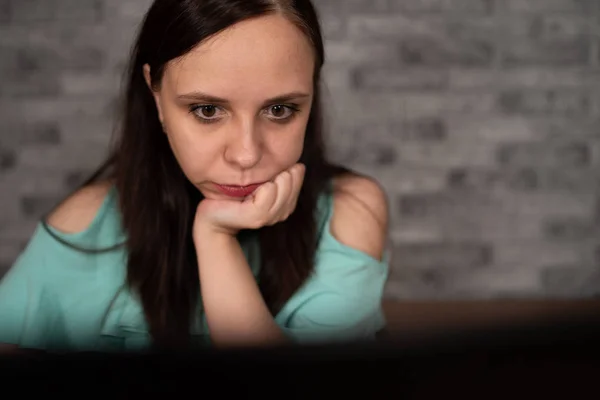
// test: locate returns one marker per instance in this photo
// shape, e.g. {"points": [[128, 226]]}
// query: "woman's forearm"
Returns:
{"points": [[235, 310]]}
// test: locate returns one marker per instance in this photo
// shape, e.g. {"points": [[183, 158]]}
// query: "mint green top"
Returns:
{"points": [[57, 298]]}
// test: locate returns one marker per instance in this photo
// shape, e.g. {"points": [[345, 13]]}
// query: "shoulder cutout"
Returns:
{"points": [[360, 214], [77, 212]]}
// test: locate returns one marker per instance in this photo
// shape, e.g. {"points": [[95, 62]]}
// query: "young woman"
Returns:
{"points": [[216, 219]]}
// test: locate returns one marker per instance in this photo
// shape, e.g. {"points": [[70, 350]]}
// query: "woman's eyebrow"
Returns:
{"points": [[207, 98]]}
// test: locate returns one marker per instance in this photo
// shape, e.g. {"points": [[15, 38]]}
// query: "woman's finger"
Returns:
{"points": [[297, 173], [263, 199], [284, 187]]}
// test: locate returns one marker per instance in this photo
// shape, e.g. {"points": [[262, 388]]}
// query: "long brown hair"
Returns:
{"points": [[157, 202]]}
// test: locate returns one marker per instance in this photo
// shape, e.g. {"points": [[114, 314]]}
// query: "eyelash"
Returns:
{"points": [[195, 107]]}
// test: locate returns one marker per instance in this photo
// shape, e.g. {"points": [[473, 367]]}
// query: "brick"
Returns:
{"points": [[347, 52], [570, 180], [544, 204], [412, 231], [111, 107], [548, 27], [420, 284], [514, 282], [536, 254], [544, 102], [493, 225], [446, 155], [9, 251], [43, 132], [20, 133], [490, 129], [352, 6], [442, 28], [489, 283], [473, 7], [442, 255], [38, 205], [367, 27], [64, 48], [572, 154], [35, 85], [8, 58], [571, 281], [472, 207], [90, 131], [569, 229], [437, 42], [558, 128], [52, 109], [55, 35], [357, 154], [75, 83], [86, 58], [471, 178], [432, 205], [595, 104], [568, 6], [549, 77], [119, 12], [568, 52], [465, 29], [336, 77], [439, 52], [28, 181], [18, 232], [428, 129], [369, 107], [62, 158], [417, 285], [407, 179], [5, 10], [526, 179], [56, 10], [333, 27], [8, 160], [427, 104], [368, 132], [394, 79]]}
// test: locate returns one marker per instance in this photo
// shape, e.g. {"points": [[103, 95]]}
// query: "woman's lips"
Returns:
{"points": [[237, 191]]}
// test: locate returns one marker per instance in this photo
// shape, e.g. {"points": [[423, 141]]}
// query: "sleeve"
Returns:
{"points": [[28, 314], [341, 302]]}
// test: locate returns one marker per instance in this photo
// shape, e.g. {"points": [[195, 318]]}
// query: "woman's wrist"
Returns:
{"points": [[206, 237]]}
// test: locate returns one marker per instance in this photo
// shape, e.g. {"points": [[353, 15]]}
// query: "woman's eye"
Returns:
{"points": [[281, 111], [205, 113], [208, 111]]}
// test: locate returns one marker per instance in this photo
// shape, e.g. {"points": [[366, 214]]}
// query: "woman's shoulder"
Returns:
{"points": [[77, 212], [359, 217], [57, 258]]}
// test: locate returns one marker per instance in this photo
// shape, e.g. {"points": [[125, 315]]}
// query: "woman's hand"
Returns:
{"points": [[271, 203], [236, 312]]}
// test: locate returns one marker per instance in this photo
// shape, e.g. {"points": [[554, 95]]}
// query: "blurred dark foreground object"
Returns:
{"points": [[554, 355]]}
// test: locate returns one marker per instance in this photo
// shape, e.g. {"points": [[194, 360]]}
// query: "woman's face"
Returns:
{"points": [[235, 108]]}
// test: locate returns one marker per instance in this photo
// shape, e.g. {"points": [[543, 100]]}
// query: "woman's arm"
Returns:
{"points": [[235, 310]]}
